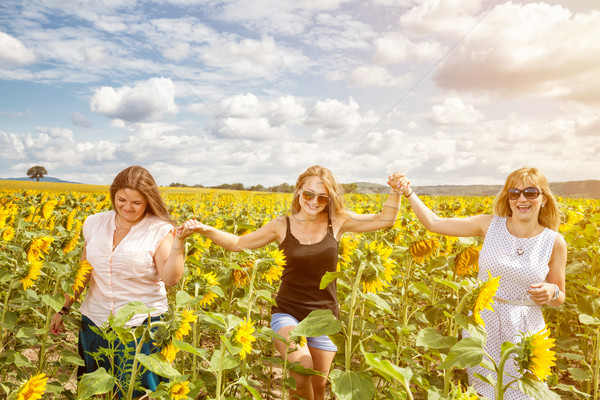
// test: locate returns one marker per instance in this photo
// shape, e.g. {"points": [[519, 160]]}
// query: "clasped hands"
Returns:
{"points": [[399, 183]]}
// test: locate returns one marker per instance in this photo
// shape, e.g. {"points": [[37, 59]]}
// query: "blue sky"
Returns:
{"points": [[210, 91]]}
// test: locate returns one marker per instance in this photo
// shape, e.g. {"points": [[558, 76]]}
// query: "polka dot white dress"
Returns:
{"points": [[519, 263]]}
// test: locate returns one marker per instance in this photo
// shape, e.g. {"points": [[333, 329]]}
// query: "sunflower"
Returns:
{"points": [[348, 245], [208, 298], [485, 298], [8, 234], [423, 249], [273, 274], [278, 257], [467, 261], [38, 248], [537, 356], [85, 268], [179, 390], [169, 352], [71, 219], [187, 317], [240, 276], [34, 388], [33, 273], [245, 338], [48, 207]]}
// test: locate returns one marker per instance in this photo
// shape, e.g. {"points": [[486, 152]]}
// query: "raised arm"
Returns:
{"points": [[468, 226], [371, 222], [259, 238]]}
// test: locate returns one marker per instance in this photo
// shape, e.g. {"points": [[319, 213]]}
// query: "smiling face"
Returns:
{"points": [[315, 185], [130, 206], [524, 208]]}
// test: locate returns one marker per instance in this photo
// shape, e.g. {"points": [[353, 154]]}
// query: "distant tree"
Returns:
{"points": [[257, 188], [36, 173], [349, 187], [283, 188]]}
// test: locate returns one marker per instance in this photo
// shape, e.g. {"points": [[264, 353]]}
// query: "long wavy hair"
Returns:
{"points": [[334, 190], [138, 178], [549, 215]]}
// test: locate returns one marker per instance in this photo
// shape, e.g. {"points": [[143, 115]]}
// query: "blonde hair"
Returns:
{"points": [[138, 178], [549, 215], [334, 190]]}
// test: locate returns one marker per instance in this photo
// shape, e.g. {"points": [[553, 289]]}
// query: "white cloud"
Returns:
{"points": [[377, 76], [454, 112], [443, 17], [149, 100], [249, 57], [335, 115], [530, 49], [13, 52], [395, 48]]}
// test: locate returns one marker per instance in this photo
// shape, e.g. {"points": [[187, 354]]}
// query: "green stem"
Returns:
{"points": [[134, 366], [195, 341], [6, 299], [500, 387], [42, 355], [251, 289], [220, 373], [596, 366], [351, 316]]}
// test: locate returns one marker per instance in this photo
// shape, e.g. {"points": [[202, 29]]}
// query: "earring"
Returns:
{"points": [[543, 205]]}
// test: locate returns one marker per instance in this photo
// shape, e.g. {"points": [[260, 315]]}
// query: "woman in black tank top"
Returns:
{"points": [[309, 239]]}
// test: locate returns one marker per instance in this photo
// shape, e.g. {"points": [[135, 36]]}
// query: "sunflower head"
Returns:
{"points": [[34, 388], [537, 356], [424, 249], [244, 337], [467, 261], [240, 276], [485, 297], [179, 390]]}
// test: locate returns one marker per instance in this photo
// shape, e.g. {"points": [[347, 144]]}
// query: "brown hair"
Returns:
{"points": [[138, 178], [549, 215], [334, 189]]}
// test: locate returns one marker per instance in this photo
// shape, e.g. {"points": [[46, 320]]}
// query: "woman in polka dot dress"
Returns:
{"points": [[522, 246]]}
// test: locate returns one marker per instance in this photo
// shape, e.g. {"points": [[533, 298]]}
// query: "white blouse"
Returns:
{"points": [[127, 273]]}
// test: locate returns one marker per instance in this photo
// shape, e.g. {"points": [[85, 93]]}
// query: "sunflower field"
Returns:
{"points": [[405, 295]]}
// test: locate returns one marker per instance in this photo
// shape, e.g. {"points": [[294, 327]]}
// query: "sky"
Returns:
{"points": [[207, 92]]}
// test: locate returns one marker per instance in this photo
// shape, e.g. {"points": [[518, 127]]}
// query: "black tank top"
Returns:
{"points": [[299, 293]]}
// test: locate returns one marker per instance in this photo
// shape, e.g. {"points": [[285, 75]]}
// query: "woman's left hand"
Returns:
{"points": [[185, 229], [541, 293], [399, 183]]}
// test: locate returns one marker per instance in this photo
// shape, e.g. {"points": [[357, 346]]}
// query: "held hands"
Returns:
{"points": [[191, 226], [400, 184]]}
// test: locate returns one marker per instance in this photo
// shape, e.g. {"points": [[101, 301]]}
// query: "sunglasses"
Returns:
{"points": [[321, 198], [529, 193]]}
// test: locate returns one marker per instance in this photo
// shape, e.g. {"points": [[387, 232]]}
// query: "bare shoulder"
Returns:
{"points": [[279, 226], [560, 244]]}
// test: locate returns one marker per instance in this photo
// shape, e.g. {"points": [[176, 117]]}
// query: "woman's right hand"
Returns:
{"points": [[192, 225], [56, 325], [399, 183]]}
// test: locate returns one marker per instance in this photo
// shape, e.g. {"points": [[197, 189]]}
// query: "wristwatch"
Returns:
{"points": [[556, 292]]}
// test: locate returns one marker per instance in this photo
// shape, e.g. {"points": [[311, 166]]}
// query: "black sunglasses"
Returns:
{"points": [[529, 193], [321, 198]]}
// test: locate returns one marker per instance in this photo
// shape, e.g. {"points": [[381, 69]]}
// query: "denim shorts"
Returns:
{"points": [[281, 320]]}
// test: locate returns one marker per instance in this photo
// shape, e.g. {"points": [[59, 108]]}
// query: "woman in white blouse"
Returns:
{"points": [[135, 253]]}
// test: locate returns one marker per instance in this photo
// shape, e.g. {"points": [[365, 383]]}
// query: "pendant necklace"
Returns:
{"points": [[119, 229], [520, 250]]}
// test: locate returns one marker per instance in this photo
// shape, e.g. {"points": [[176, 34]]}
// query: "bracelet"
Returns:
{"points": [[556, 292], [177, 248], [64, 310], [411, 192]]}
